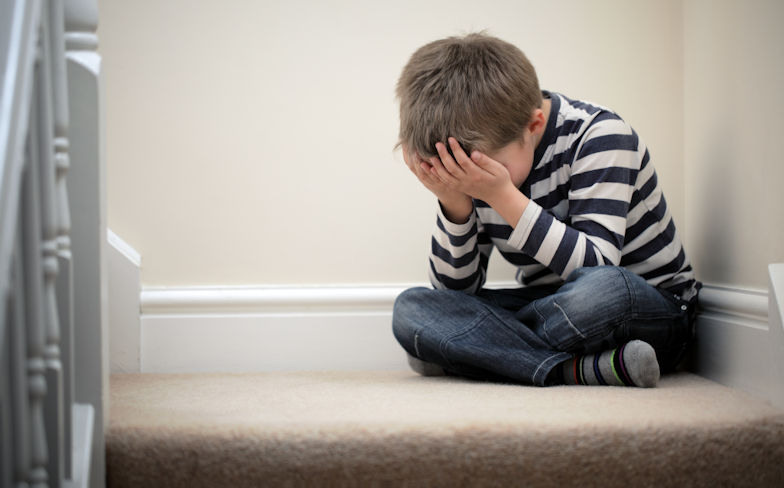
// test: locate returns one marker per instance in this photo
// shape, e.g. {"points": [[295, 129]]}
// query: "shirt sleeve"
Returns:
{"points": [[459, 254], [603, 175]]}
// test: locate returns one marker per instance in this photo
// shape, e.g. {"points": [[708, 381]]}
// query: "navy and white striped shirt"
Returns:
{"points": [[595, 200]]}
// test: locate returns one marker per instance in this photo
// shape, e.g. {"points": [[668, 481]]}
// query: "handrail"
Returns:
{"points": [[18, 44], [39, 385]]}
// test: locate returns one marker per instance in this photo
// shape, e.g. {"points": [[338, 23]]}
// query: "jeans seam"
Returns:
{"points": [[554, 358], [620, 322], [630, 289], [670, 316], [568, 321]]}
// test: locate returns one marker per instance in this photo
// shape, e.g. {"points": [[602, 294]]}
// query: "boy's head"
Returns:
{"points": [[478, 89]]}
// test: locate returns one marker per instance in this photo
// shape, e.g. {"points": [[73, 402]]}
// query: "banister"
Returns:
{"points": [[46, 437], [15, 91]]}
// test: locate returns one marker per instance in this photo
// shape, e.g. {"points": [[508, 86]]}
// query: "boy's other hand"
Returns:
{"points": [[457, 206], [479, 176]]}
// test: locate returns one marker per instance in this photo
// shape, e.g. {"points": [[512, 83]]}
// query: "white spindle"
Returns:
{"points": [[20, 399], [39, 382], [34, 299], [21, 355], [88, 211], [63, 285], [49, 232], [6, 418]]}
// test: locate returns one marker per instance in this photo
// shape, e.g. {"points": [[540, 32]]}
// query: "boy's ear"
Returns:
{"points": [[538, 122]]}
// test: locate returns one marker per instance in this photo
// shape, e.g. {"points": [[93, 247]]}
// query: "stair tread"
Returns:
{"points": [[395, 426]]}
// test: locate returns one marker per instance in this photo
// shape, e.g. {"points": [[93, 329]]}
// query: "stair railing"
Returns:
{"points": [[50, 401]]}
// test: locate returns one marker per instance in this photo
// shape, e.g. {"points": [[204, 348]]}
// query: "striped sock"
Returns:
{"points": [[631, 364]]}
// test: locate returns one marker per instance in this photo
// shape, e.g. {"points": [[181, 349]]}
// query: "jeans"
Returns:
{"points": [[521, 334]]}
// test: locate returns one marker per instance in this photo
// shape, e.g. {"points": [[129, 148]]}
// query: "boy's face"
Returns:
{"points": [[517, 157]]}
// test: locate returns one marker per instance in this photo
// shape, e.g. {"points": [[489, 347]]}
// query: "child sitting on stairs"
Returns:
{"points": [[567, 192]]}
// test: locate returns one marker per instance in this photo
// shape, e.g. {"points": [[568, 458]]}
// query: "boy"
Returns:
{"points": [[566, 191]]}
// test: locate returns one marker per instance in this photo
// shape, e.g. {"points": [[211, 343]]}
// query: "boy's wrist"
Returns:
{"points": [[457, 210], [510, 204]]}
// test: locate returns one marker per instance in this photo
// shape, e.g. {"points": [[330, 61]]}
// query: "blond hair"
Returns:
{"points": [[477, 88]]}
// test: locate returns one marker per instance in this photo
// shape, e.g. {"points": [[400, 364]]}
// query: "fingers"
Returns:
{"points": [[448, 168], [425, 171], [482, 160], [440, 172], [460, 155], [416, 164], [452, 166], [488, 164], [467, 165]]}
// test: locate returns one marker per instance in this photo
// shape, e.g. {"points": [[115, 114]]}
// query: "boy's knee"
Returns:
{"points": [[593, 273], [601, 279], [608, 285], [405, 310], [409, 300]]}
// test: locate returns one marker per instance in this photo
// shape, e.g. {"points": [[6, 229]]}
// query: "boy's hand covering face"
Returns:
{"points": [[479, 176], [424, 172]]}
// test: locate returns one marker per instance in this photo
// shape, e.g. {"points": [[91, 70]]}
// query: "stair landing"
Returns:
{"points": [[399, 429]]}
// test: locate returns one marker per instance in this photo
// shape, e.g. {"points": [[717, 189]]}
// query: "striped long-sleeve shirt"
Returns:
{"points": [[594, 200]]}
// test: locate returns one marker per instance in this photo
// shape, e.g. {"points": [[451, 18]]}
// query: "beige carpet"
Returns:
{"points": [[398, 429]]}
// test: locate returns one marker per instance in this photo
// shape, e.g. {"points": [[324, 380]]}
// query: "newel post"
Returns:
{"points": [[87, 203]]}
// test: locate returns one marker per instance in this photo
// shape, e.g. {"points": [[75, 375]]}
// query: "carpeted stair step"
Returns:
{"points": [[398, 429]]}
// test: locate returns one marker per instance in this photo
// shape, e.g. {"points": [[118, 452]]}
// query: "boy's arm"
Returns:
{"points": [[460, 249], [459, 253], [604, 172], [607, 166]]}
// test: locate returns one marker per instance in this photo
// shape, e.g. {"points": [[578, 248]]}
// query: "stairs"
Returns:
{"points": [[399, 429]]}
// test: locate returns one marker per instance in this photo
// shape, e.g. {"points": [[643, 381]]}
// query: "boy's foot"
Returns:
{"points": [[631, 364], [425, 369]]}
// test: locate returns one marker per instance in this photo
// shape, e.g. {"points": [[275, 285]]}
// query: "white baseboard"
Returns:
{"points": [[739, 343], [776, 338], [237, 329], [181, 343], [231, 329]]}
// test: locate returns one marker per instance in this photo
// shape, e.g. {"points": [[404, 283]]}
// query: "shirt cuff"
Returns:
{"points": [[525, 225], [453, 228]]}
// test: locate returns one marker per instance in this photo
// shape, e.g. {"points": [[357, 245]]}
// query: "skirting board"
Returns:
{"points": [[740, 338], [269, 329], [235, 329], [733, 343], [300, 328], [776, 339]]}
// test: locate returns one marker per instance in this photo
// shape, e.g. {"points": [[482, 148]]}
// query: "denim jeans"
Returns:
{"points": [[522, 334]]}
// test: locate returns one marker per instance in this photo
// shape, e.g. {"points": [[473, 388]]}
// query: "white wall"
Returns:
{"points": [[734, 124], [250, 142]]}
